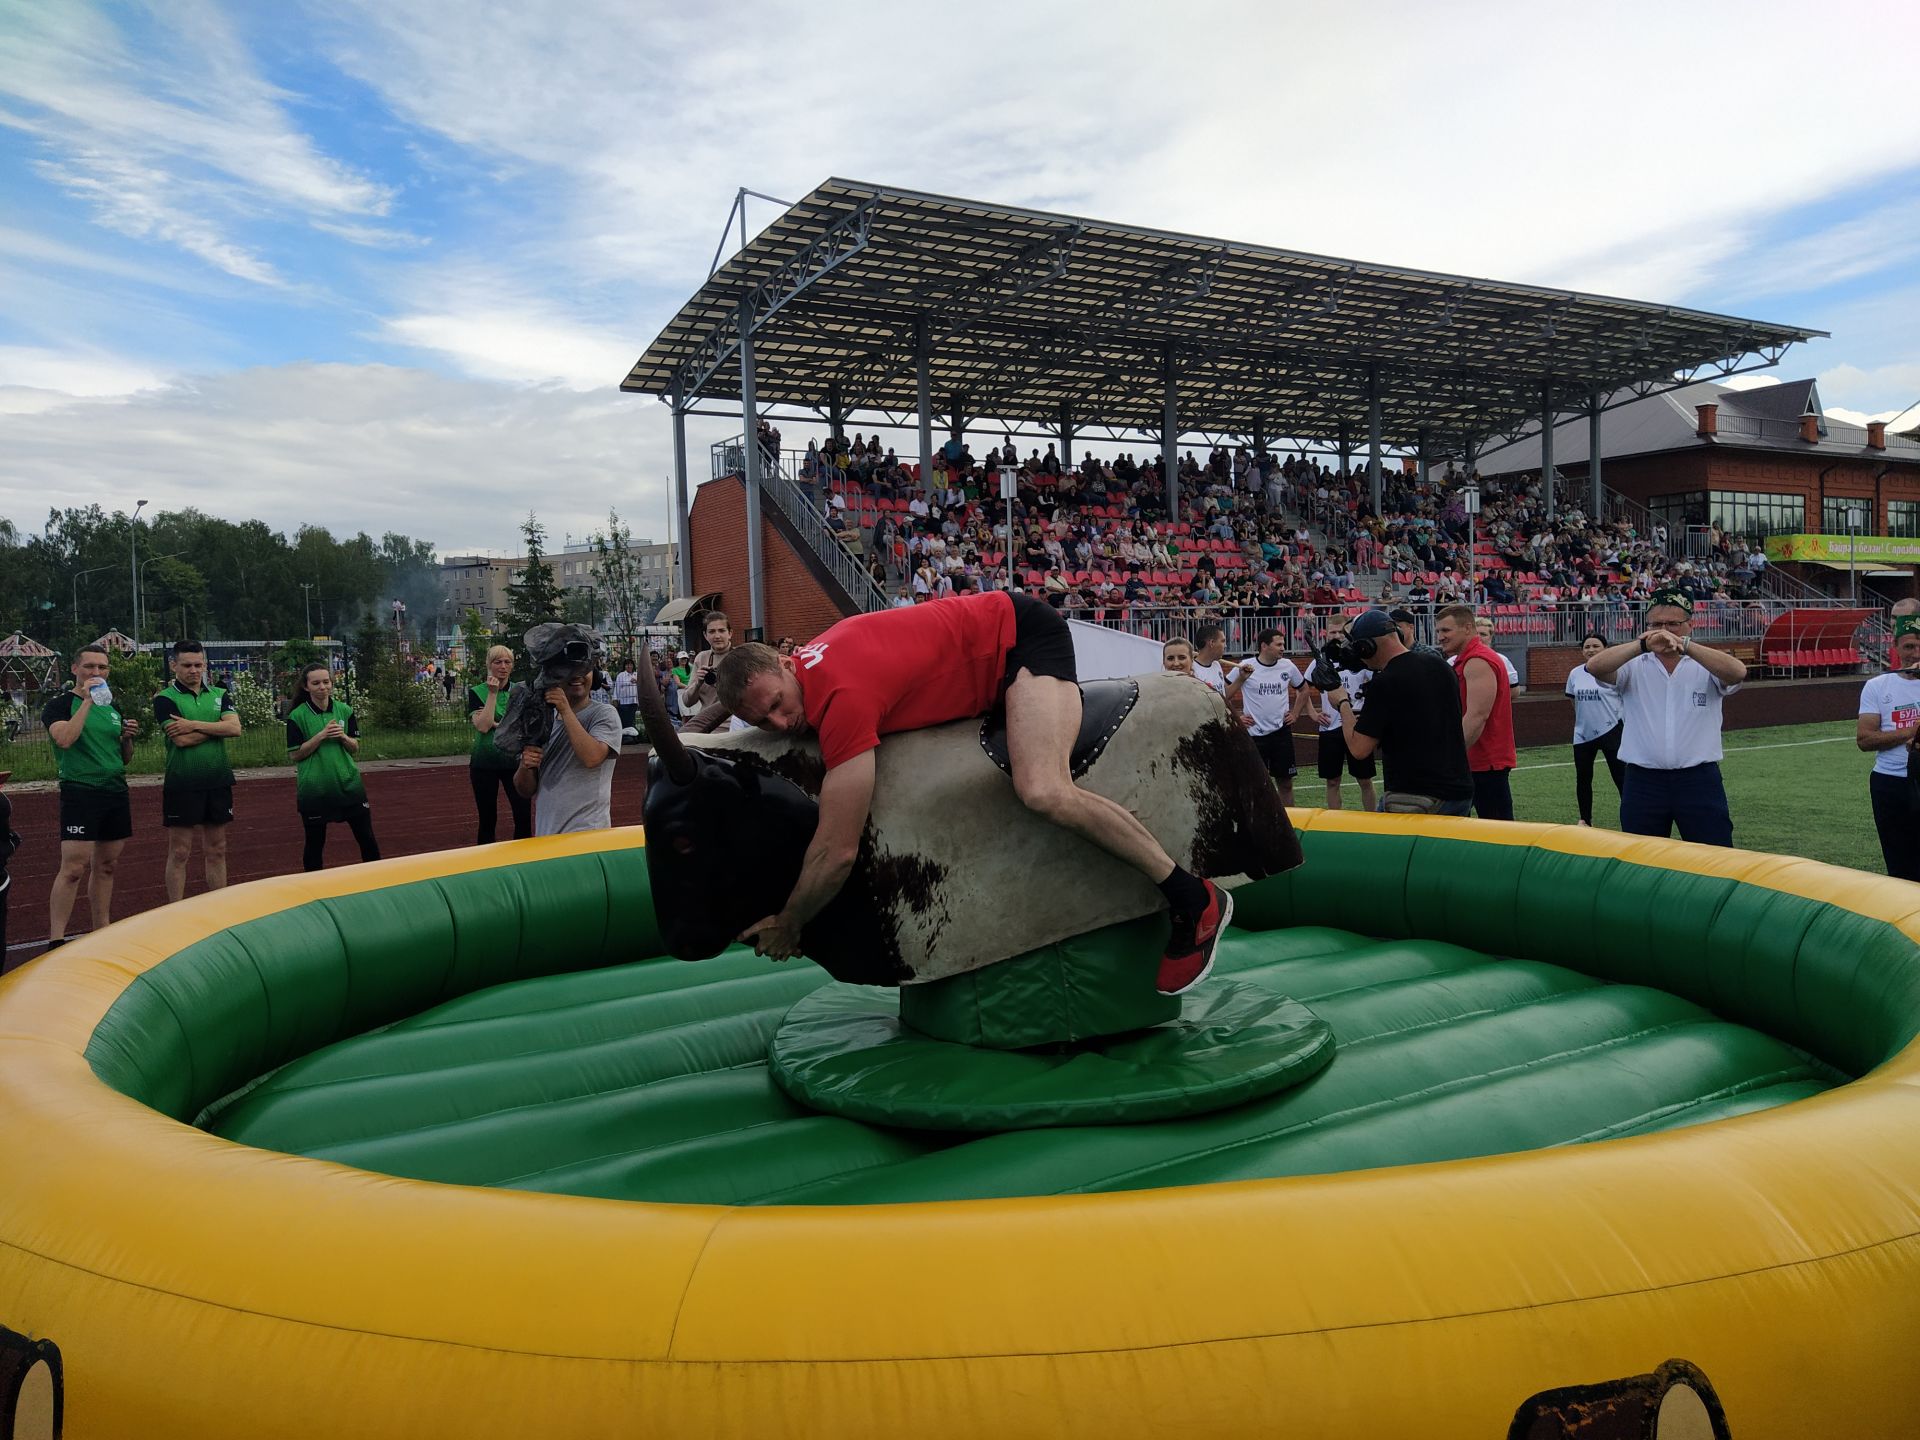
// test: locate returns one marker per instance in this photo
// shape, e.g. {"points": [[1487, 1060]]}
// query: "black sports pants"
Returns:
{"points": [[486, 800], [1583, 753], [360, 821]]}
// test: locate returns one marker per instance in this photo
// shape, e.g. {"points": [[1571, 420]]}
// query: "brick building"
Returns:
{"points": [[802, 597], [1759, 462]]}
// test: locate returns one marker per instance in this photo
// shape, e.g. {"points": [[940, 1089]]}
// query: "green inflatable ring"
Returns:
{"points": [[844, 1050]]}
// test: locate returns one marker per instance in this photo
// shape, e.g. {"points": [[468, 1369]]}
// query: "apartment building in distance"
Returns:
{"points": [[480, 582]]}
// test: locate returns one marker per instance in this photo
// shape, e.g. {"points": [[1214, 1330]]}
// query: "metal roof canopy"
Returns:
{"points": [[1027, 315]]}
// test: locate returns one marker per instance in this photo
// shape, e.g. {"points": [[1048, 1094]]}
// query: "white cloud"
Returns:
{"points": [[485, 322], [57, 376], [180, 143], [370, 447], [376, 237], [1891, 388]]}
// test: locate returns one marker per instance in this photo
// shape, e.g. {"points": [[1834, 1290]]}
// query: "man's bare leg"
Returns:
{"points": [[1367, 799], [213, 852], [179, 852], [106, 855], [75, 857], [1333, 794], [1043, 717]]}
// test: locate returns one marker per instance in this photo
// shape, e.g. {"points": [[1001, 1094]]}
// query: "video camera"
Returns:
{"points": [[1352, 651]]}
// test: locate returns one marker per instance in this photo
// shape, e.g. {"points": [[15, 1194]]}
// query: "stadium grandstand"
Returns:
{"points": [[1190, 428]]}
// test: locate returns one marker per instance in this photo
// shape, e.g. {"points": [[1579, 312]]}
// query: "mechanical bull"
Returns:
{"points": [[954, 872]]}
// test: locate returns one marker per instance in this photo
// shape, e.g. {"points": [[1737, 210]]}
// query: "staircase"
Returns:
{"points": [[799, 518]]}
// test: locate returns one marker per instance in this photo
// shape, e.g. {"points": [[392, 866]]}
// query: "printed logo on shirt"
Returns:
{"points": [[1905, 715], [1700, 699], [810, 655]]}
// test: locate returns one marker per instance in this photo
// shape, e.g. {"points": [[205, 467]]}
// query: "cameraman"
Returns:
{"points": [[1412, 717]]}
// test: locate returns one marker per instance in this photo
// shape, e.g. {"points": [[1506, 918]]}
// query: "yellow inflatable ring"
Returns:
{"points": [[199, 1288]]}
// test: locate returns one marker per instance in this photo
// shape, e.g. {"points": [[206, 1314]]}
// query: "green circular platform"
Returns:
{"points": [[844, 1050]]}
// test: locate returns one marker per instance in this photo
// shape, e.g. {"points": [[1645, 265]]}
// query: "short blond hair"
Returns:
{"points": [[1460, 614], [494, 652]]}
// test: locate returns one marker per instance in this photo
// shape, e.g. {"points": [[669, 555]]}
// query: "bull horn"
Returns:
{"points": [[666, 742]]}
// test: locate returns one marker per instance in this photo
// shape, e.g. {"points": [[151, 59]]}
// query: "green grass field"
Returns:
{"points": [[445, 733], [1795, 790]]}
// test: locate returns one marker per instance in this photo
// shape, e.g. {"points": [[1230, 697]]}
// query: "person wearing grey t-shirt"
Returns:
{"points": [[570, 778]]}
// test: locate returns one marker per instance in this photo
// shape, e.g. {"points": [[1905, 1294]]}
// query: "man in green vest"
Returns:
{"points": [[197, 796], [93, 742]]}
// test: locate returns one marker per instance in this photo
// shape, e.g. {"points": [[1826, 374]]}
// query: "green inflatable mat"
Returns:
{"points": [[507, 1028]]}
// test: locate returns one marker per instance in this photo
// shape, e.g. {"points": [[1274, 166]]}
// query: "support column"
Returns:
{"points": [[1170, 436], [1421, 455], [1596, 479], [750, 419], [957, 418], [923, 364], [1345, 443], [1373, 435], [836, 413], [1259, 440], [1546, 449], [1066, 436], [683, 562]]}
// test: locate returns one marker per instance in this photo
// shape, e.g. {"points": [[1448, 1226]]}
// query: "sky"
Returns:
{"points": [[382, 265]]}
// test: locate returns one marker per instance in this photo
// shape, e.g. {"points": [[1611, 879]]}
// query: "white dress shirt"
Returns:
{"points": [[1672, 721]]}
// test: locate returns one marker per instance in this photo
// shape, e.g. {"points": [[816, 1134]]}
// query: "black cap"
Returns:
{"points": [[1401, 616]]}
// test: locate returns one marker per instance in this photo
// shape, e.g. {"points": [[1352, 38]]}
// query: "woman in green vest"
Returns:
{"points": [[323, 736], [488, 768]]}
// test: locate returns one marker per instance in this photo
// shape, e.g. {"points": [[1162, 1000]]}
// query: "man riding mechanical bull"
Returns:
{"points": [[910, 670]]}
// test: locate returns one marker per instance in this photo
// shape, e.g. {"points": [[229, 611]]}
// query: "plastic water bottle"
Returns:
{"points": [[100, 693]]}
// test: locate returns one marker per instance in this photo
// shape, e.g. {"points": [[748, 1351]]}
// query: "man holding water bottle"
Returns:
{"points": [[94, 742]]}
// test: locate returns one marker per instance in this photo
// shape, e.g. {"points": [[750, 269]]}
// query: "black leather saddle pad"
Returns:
{"points": [[1103, 705]]}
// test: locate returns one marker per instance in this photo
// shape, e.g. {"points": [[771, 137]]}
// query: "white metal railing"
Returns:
{"points": [[1516, 628], [779, 482]]}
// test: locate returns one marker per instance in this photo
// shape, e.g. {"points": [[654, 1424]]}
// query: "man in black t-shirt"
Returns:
{"points": [[1412, 717]]}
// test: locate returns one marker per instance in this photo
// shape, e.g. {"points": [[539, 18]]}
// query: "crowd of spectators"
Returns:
{"points": [[1254, 533], [1092, 537], [1098, 535]]}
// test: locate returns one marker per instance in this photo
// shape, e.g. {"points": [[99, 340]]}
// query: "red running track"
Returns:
{"points": [[418, 805]]}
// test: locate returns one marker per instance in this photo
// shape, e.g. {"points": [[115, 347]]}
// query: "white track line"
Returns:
{"points": [[1730, 750]]}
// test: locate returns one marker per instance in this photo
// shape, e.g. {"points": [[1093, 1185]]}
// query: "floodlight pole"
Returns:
{"points": [[683, 560], [923, 366], [1470, 501], [750, 419], [1009, 489], [1546, 447], [1170, 436], [1373, 435], [1595, 484]]}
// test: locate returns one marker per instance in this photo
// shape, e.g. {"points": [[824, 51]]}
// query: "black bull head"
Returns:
{"points": [[954, 872]]}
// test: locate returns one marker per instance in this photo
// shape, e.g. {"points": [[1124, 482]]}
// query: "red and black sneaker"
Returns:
{"points": [[1189, 957]]}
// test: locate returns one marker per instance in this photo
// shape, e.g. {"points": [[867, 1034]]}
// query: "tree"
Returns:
{"points": [[475, 640], [534, 597], [621, 581]]}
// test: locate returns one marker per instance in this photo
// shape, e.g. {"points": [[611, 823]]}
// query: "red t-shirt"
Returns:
{"points": [[1494, 749], [905, 669]]}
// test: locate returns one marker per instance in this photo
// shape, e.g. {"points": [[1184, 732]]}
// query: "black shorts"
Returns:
{"points": [[196, 807], [1334, 755], [93, 816], [1276, 750], [1042, 642]]}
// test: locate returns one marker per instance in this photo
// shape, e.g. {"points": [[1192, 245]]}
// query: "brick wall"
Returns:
{"points": [[797, 604]]}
